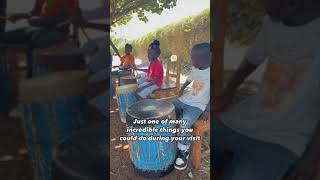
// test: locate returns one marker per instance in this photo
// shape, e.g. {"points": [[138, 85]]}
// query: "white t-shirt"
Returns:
{"points": [[199, 95], [286, 109]]}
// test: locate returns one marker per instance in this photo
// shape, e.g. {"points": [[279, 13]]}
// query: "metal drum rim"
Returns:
{"points": [[126, 88], [39, 90], [127, 77], [171, 110]]}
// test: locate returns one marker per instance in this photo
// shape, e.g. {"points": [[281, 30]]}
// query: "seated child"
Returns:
{"points": [[127, 62], [191, 105], [154, 72]]}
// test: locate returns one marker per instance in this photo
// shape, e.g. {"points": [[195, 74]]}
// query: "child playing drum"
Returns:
{"points": [[154, 72], [127, 62], [195, 103]]}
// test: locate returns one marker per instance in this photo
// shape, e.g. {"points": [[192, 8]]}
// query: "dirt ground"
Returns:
{"points": [[121, 168], [14, 160]]}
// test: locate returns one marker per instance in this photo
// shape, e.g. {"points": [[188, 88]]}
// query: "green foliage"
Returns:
{"points": [[121, 11], [118, 42], [244, 20], [176, 38]]}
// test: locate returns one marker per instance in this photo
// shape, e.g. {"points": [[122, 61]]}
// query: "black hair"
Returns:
{"points": [[202, 46], [155, 45], [128, 45]]}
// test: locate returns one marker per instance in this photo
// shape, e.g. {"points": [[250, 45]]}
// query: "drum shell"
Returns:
{"points": [[125, 98], [50, 118], [46, 124], [69, 162], [152, 159]]}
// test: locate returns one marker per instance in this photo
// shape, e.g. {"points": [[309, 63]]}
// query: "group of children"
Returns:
{"points": [[190, 105]]}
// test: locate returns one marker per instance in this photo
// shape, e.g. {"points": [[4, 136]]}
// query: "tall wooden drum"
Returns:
{"points": [[54, 107], [152, 158], [125, 98]]}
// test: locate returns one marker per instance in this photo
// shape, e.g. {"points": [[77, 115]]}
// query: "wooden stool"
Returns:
{"points": [[199, 128], [57, 58]]}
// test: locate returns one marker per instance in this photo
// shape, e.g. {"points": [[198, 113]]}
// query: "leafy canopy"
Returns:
{"points": [[121, 11]]}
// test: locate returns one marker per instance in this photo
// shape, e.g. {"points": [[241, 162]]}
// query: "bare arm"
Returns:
{"points": [[244, 70], [183, 88], [225, 99]]}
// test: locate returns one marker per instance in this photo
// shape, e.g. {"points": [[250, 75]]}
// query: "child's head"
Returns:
{"points": [[128, 49], [154, 50], [280, 10], [201, 55]]}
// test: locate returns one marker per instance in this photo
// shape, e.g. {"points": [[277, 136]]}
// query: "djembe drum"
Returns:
{"points": [[54, 107], [152, 158], [116, 75], [82, 156], [125, 98]]}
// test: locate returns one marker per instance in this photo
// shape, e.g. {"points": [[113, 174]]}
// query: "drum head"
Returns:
{"points": [[126, 88], [149, 109], [83, 156], [53, 86]]}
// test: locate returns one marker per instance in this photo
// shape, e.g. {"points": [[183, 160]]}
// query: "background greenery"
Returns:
{"points": [[121, 11], [243, 25], [244, 21], [175, 38]]}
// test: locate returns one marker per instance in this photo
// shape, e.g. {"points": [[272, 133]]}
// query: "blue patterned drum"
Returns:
{"points": [[125, 98], [153, 157], [53, 109]]}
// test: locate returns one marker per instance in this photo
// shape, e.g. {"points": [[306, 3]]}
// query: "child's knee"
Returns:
{"points": [[142, 94]]}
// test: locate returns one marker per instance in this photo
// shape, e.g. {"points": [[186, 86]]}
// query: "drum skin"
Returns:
{"points": [[125, 80], [125, 98], [152, 159], [83, 156], [51, 114]]}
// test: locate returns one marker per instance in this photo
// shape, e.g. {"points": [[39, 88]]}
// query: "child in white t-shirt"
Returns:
{"points": [[195, 103]]}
